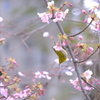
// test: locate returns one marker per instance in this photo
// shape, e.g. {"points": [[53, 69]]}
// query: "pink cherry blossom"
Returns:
{"points": [[65, 12], [80, 37], [87, 74], [95, 24], [3, 91], [74, 82], [50, 4], [60, 15], [83, 11], [85, 21], [88, 88], [78, 88], [22, 94], [44, 17], [65, 42], [90, 48], [72, 38]]}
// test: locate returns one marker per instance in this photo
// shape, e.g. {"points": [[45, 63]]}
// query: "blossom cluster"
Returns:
{"points": [[93, 13], [54, 13], [12, 62], [87, 75], [43, 74], [82, 49], [10, 86], [29, 92], [65, 40], [3, 91]]}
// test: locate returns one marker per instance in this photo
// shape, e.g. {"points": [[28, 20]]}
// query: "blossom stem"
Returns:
{"points": [[87, 57], [81, 31], [90, 84]]}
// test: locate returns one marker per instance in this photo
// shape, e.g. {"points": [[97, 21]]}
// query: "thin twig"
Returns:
{"points": [[29, 34], [90, 85], [4, 86], [46, 1], [4, 65], [81, 31], [87, 57], [26, 44]]}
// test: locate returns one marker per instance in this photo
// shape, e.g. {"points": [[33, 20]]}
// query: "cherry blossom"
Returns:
{"points": [[1, 19], [87, 74], [46, 34], [88, 88], [22, 94], [65, 42], [69, 73], [50, 5], [44, 17], [89, 62], [95, 25], [53, 13], [80, 37], [90, 4], [60, 15], [12, 61], [43, 74], [77, 86], [74, 82], [83, 11], [21, 74], [3, 91], [90, 48]]}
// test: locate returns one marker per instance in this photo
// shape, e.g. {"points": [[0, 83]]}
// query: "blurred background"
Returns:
{"points": [[23, 32]]}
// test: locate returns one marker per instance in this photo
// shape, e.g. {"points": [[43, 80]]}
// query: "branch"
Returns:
{"points": [[90, 85], [26, 44], [46, 1], [4, 86], [82, 30], [73, 59], [27, 35], [74, 62], [60, 28], [87, 57], [4, 65], [77, 72]]}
